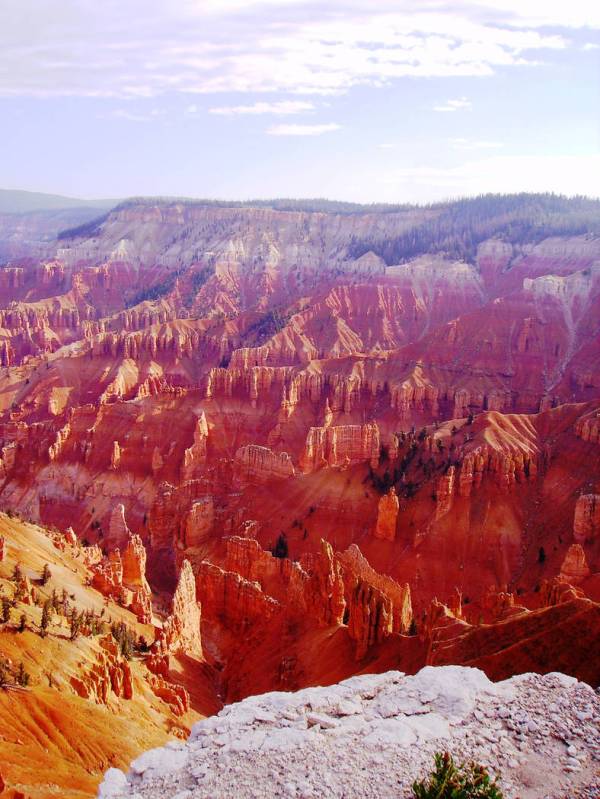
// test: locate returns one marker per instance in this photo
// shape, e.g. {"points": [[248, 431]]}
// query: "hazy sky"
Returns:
{"points": [[393, 100]]}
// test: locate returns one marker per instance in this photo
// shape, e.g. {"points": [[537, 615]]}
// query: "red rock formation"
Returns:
{"points": [[498, 605], [440, 626], [236, 602], [387, 516], [376, 605], [370, 617], [3, 549], [195, 456], [586, 524], [91, 555], [199, 522], [107, 576], [168, 517], [324, 590], [108, 674], [134, 563], [115, 457], [340, 446], [176, 696], [55, 449], [24, 591], [259, 464], [556, 590], [574, 568], [70, 537], [181, 630], [123, 577], [445, 493], [311, 589], [588, 427], [118, 531], [563, 635]]}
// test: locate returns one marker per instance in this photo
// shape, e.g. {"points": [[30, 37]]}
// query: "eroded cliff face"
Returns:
{"points": [[574, 568], [122, 575], [255, 463], [586, 525], [341, 445], [181, 629], [377, 605], [387, 516]]}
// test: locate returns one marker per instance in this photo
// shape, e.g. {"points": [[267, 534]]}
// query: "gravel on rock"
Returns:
{"points": [[371, 736]]}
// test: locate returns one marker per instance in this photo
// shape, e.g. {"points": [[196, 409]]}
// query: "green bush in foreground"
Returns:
{"points": [[449, 781]]}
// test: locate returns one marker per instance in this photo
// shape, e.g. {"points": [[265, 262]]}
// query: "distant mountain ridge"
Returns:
{"points": [[17, 201]]}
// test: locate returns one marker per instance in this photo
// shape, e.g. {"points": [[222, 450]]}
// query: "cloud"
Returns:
{"points": [[591, 46], [132, 116], [136, 49], [283, 108], [302, 130], [474, 144], [503, 174], [453, 105]]}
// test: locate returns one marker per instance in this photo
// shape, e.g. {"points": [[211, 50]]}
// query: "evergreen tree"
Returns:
{"points": [[6, 606], [75, 621], [541, 555], [127, 645], [45, 620], [22, 623], [281, 549], [46, 574]]}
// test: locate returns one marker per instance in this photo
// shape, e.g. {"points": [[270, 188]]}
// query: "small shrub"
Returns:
{"points": [[449, 781]]}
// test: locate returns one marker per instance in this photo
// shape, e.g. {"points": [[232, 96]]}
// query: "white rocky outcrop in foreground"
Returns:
{"points": [[372, 735]]}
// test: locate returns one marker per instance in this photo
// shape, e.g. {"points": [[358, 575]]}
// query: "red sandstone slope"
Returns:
{"points": [[84, 706]]}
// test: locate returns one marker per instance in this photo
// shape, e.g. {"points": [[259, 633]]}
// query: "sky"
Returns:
{"points": [[359, 100]]}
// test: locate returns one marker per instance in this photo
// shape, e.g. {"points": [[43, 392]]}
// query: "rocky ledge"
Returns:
{"points": [[372, 735]]}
